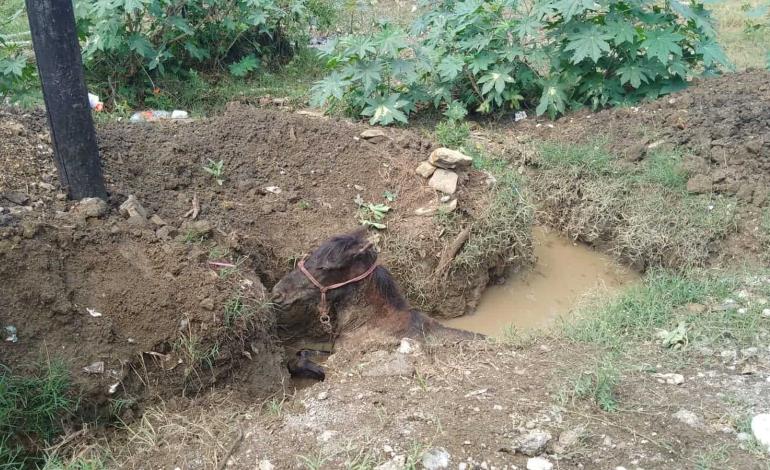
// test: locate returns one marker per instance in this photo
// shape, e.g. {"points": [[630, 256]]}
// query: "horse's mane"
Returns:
{"points": [[388, 289]]}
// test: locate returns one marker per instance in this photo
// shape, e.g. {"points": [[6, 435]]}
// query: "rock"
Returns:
{"points": [[754, 146], [90, 207], [374, 135], [699, 184], [155, 219], [434, 209], [425, 169], [322, 396], [16, 128], [207, 303], [396, 463], [533, 443], [46, 186], [15, 197], [539, 463], [29, 228], [766, 312], [743, 437], [450, 159], [745, 192], [137, 221], [179, 114], [444, 181], [132, 208], [408, 346], [670, 379], [166, 232], [435, 459], [265, 465], [389, 366], [201, 227], [95, 368], [687, 417], [760, 427], [568, 439]]}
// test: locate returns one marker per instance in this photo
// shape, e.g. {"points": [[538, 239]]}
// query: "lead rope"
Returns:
{"points": [[323, 307]]}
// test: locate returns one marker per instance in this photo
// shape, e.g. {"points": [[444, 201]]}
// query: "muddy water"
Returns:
{"points": [[565, 273]]}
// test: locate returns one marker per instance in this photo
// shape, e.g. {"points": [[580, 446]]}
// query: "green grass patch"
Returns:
{"points": [[453, 134], [665, 169], [590, 157], [31, 412], [655, 304]]}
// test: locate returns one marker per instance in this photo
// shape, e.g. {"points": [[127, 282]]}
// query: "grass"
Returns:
{"points": [[744, 47], [598, 385], [642, 214], [452, 134], [195, 354], [31, 411], [236, 310], [658, 304], [11, 23]]}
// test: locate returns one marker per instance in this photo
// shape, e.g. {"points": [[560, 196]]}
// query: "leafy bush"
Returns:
{"points": [[131, 43], [15, 67], [487, 55]]}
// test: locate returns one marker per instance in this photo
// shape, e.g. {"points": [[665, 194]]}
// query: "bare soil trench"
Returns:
{"points": [[565, 274]]}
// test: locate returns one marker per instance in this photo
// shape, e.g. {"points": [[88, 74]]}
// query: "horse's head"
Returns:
{"points": [[337, 260]]}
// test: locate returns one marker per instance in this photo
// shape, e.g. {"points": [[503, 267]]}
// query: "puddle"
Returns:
{"points": [[563, 275]]}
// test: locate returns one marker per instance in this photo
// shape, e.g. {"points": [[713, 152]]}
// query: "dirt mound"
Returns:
{"points": [[723, 123], [291, 181], [164, 304]]}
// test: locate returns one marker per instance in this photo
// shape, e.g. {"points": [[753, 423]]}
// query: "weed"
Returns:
{"points": [[390, 196], [195, 354], [117, 405], [421, 380], [314, 462], [228, 271], [642, 308], [512, 337], [363, 460], [193, 237], [216, 170], [304, 205], [665, 169], [598, 385], [32, 409], [236, 310], [414, 456], [274, 407], [712, 458], [79, 463], [591, 157], [217, 253], [370, 214], [453, 134]]}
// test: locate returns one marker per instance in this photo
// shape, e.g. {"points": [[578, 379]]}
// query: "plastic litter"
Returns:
{"points": [[93, 312], [95, 368], [10, 332], [519, 116], [153, 115], [95, 103]]}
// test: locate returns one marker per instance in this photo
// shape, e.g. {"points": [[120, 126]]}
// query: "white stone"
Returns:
{"points": [[179, 114], [687, 417], [671, 379], [448, 158], [425, 169], [444, 181], [372, 134], [766, 312], [323, 395], [539, 463], [408, 346], [266, 465], [533, 443], [132, 208], [760, 427], [435, 459]]}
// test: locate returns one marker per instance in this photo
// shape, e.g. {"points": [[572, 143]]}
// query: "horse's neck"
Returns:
{"points": [[367, 309]]}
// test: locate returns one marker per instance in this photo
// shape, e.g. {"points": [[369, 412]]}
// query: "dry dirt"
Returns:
{"points": [[169, 320]]}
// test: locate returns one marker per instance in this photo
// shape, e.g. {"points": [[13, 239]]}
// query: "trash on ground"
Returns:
{"points": [[93, 312], [11, 336]]}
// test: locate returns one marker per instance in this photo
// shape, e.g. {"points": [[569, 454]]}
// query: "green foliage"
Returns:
{"points": [[31, 410], [453, 134], [599, 385], [16, 68], [488, 55], [216, 170], [131, 44], [758, 23]]}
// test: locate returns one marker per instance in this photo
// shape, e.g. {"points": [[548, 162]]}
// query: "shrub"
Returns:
{"points": [[131, 43], [15, 67], [487, 55]]}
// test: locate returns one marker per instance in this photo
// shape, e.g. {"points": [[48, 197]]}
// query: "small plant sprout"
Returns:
{"points": [[216, 169], [390, 196], [370, 214]]}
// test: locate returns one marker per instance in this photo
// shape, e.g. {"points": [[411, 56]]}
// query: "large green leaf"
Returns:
{"points": [[496, 79], [450, 67], [571, 8], [244, 66], [385, 110], [621, 31], [662, 43], [589, 42], [713, 54], [332, 86], [13, 66], [633, 74], [390, 41]]}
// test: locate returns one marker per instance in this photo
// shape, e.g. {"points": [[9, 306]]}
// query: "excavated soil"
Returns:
{"points": [[171, 305], [720, 126]]}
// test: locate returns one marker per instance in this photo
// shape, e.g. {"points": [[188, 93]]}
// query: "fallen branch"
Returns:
{"points": [[196, 208], [451, 251]]}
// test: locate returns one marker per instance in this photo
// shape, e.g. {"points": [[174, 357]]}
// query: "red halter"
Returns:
{"points": [[323, 307]]}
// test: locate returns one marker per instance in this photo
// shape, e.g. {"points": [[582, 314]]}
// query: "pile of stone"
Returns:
{"points": [[441, 172]]}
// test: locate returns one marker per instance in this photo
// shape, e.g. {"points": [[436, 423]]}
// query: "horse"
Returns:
{"points": [[343, 279]]}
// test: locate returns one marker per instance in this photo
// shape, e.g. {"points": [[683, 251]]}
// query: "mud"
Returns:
{"points": [[172, 322], [565, 274]]}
